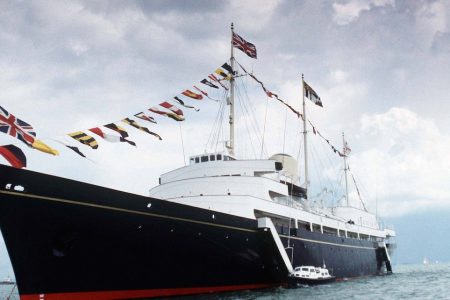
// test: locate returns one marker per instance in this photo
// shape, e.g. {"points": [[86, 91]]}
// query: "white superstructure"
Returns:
{"points": [[257, 188]]}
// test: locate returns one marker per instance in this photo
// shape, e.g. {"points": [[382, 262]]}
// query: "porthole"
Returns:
{"points": [[19, 188]]}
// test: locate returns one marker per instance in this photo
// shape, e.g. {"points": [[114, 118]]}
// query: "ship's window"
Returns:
{"points": [[305, 269], [191, 160], [225, 158], [329, 230], [316, 228], [197, 160], [278, 166], [352, 235], [304, 225], [219, 156], [212, 158], [204, 158]]}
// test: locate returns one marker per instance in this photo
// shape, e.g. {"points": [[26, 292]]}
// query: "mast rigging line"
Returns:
{"points": [[244, 108], [299, 115], [270, 94], [319, 164], [250, 110], [264, 128], [182, 144], [357, 189], [335, 184], [284, 135], [216, 129]]}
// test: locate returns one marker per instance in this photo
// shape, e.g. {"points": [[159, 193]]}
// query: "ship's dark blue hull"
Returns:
{"points": [[71, 238]]}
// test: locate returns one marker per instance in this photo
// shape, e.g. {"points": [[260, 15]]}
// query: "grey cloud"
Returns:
{"points": [[182, 6], [441, 43], [155, 7]]}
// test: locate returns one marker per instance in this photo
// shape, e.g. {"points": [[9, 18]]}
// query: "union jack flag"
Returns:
{"points": [[15, 127], [244, 46]]}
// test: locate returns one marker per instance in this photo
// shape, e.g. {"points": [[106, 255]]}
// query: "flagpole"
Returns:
{"points": [[231, 98], [305, 138], [344, 151]]}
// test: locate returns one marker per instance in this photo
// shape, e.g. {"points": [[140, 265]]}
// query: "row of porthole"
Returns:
{"points": [[199, 233], [16, 187], [213, 216]]}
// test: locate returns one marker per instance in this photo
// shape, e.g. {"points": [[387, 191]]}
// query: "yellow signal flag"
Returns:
{"points": [[41, 146], [84, 139], [220, 72]]}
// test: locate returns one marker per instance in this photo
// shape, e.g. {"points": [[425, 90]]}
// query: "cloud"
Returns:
{"points": [[441, 43], [252, 15], [400, 157], [347, 12], [432, 20]]}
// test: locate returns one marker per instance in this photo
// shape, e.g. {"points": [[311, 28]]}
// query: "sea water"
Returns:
{"points": [[430, 281]]}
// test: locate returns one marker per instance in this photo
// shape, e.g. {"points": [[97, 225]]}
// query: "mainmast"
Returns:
{"points": [[231, 99], [344, 151], [305, 139]]}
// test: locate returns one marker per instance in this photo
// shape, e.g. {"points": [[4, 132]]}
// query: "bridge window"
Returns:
{"points": [[204, 158], [219, 156], [197, 160], [316, 228], [212, 158]]}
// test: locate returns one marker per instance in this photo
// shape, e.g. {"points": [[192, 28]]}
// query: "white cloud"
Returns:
{"points": [[253, 14], [401, 159], [347, 12], [432, 20]]}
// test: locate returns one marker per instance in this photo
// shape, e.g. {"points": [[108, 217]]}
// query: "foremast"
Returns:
{"points": [[230, 102]]}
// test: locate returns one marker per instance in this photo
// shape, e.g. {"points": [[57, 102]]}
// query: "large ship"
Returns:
{"points": [[217, 224]]}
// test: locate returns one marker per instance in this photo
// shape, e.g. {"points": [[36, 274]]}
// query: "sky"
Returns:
{"points": [[381, 68]]}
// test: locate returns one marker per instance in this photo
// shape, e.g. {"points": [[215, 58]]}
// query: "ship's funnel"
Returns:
{"points": [[290, 166]]}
